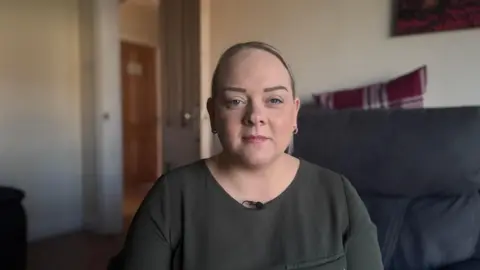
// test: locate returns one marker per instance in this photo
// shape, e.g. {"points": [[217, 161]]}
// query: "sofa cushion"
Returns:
{"points": [[405, 91], [465, 265], [426, 232], [438, 231]]}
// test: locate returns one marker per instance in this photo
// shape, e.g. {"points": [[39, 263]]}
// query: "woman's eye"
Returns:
{"points": [[234, 102], [275, 101]]}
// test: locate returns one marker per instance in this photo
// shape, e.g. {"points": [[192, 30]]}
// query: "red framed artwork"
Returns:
{"points": [[426, 16]]}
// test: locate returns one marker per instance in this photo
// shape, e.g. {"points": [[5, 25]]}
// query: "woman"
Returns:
{"points": [[252, 206]]}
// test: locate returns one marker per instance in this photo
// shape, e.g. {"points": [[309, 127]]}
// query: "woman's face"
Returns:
{"points": [[254, 111]]}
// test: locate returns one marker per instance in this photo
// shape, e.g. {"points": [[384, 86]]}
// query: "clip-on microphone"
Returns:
{"points": [[253, 205]]}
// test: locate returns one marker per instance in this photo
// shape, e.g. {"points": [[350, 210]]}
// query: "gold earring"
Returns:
{"points": [[295, 130]]}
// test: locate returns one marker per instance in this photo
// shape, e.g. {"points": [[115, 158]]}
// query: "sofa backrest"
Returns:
{"points": [[417, 170], [395, 152]]}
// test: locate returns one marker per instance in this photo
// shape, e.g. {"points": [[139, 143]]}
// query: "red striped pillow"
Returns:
{"points": [[406, 91]]}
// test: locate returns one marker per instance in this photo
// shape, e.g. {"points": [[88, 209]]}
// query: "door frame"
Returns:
{"points": [[156, 48], [105, 198]]}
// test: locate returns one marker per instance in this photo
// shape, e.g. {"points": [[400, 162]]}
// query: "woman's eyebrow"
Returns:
{"points": [[243, 90], [275, 88], [235, 89]]}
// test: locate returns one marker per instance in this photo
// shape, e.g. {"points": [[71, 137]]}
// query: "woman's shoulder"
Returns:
{"points": [[180, 178], [185, 172], [329, 183], [320, 175]]}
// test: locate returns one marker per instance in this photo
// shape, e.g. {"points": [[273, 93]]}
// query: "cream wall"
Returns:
{"points": [[60, 117], [343, 43], [40, 114], [139, 23]]}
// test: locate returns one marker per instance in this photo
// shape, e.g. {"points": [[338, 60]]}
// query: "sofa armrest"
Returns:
{"points": [[473, 264]]}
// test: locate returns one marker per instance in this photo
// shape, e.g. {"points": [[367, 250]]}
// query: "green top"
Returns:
{"points": [[188, 222]]}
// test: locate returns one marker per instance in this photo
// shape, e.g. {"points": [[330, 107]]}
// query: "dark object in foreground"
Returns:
{"points": [[13, 230]]}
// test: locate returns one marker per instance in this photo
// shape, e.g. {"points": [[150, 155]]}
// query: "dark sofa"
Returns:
{"points": [[418, 172], [13, 229]]}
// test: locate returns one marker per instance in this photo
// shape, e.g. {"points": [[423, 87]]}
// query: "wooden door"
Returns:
{"points": [[180, 56], [140, 124]]}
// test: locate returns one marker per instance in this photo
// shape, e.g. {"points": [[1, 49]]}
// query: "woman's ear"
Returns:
{"points": [[297, 105], [211, 112]]}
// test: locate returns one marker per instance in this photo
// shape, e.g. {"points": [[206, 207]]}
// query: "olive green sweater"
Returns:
{"points": [[189, 222]]}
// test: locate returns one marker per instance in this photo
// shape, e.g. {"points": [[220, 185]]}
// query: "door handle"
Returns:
{"points": [[186, 117]]}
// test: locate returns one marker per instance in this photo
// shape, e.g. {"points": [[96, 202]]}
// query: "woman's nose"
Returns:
{"points": [[254, 115]]}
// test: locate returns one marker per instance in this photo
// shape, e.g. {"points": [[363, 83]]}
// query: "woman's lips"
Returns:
{"points": [[254, 139]]}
